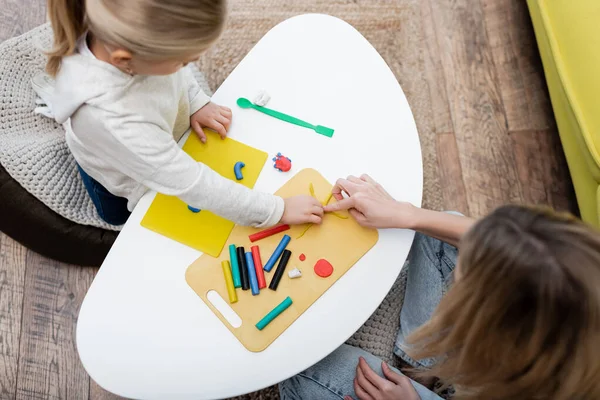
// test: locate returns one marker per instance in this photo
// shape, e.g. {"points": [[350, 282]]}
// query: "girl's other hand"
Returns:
{"points": [[211, 116], [370, 204], [301, 210]]}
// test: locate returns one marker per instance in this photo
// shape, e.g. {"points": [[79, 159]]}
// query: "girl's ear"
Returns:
{"points": [[121, 58]]}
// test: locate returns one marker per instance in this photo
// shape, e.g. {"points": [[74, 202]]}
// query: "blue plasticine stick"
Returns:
{"points": [[277, 253], [235, 268], [274, 313], [252, 274]]}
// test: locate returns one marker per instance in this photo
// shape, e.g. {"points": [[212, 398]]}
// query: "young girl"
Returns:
{"points": [[125, 99], [520, 321]]}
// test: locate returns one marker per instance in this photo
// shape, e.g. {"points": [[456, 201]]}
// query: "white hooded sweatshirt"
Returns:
{"points": [[123, 131]]}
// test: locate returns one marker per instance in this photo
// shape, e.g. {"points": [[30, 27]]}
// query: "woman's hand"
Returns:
{"points": [[301, 210], [370, 386], [211, 116], [370, 204]]}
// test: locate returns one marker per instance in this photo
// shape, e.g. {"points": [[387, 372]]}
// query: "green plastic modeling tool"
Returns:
{"points": [[322, 130]]}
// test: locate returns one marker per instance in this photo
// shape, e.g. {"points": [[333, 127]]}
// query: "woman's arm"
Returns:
{"points": [[440, 225], [372, 206]]}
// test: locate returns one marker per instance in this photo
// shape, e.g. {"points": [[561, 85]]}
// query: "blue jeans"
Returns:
{"points": [[112, 209], [430, 266]]}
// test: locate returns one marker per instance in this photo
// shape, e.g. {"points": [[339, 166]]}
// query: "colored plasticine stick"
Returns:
{"points": [[274, 313], [252, 274], [241, 255], [235, 267], [280, 269], [260, 274], [275, 256], [268, 232], [229, 281]]}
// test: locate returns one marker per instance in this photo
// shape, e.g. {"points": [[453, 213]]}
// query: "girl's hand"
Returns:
{"points": [[370, 204], [211, 116], [302, 210], [370, 386]]}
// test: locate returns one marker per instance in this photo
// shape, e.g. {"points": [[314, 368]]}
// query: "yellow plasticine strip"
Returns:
{"points": [[311, 189], [304, 231], [339, 215]]}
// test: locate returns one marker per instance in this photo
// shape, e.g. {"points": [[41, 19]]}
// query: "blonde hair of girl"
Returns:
{"points": [[522, 320], [152, 30]]}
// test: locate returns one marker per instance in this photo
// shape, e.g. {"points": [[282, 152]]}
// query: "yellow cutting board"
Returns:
{"points": [[340, 241], [204, 230]]}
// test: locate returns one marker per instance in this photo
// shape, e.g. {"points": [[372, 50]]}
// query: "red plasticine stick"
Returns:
{"points": [[260, 274], [268, 232]]}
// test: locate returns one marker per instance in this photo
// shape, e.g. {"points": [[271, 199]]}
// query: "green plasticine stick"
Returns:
{"points": [[274, 313], [322, 130], [235, 268]]}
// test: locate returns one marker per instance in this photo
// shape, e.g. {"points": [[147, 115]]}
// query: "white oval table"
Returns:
{"points": [[143, 333]]}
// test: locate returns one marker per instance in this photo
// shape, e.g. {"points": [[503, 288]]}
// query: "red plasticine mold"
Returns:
{"points": [[323, 268], [282, 163], [302, 257]]}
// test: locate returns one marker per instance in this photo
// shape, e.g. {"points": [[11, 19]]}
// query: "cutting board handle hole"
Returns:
{"points": [[224, 309]]}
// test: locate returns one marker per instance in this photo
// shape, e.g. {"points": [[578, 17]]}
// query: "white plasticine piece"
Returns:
{"points": [[295, 273], [262, 99]]}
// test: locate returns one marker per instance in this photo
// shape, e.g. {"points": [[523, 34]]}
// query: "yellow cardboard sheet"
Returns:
{"points": [[340, 241], [204, 231]]}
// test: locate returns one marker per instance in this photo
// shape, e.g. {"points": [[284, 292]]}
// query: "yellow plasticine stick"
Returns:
{"points": [[229, 281]]}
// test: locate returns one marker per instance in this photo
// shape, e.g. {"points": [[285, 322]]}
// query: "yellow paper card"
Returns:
{"points": [[204, 231]]}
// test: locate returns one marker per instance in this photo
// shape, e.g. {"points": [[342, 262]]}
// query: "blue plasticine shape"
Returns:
{"points": [[252, 274], [277, 253], [237, 169], [194, 210]]}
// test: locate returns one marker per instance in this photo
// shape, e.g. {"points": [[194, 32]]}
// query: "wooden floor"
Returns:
{"points": [[494, 141]]}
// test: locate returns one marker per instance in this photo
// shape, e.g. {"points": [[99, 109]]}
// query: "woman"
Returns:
{"points": [[521, 319]]}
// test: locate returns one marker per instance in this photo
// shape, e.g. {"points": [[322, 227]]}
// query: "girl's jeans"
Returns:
{"points": [[111, 208]]}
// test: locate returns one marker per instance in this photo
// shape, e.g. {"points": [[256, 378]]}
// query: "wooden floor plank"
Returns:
{"points": [[542, 169], [515, 53], [558, 180], [12, 280], [453, 187], [434, 72], [532, 166], [49, 367], [486, 157]]}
